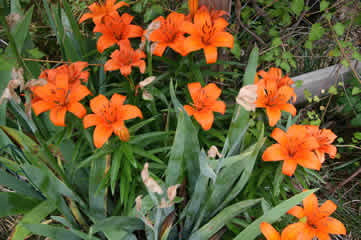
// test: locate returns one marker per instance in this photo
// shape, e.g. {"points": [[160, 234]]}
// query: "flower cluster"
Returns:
{"points": [[313, 222], [64, 89]]}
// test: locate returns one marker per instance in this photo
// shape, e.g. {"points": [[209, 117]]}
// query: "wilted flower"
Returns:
{"points": [[213, 152], [16, 81], [149, 182], [12, 19], [138, 203], [247, 97]]}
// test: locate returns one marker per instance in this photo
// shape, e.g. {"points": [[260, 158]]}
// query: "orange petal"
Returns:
{"points": [[141, 65], [202, 17], [99, 104], [269, 232], [220, 24], [323, 236], [292, 231], [190, 111], [104, 42], [57, 116], [127, 112], [310, 205], [85, 17], [90, 120], [190, 28], [212, 91], [211, 54], [222, 39], [121, 131], [101, 134], [133, 31], [307, 159], [274, 153], [219, 106], [274, 115], [288, 108], [331, 225], [205, 119], [297, 211], [192, 43], [194, 90], [289, 167], [327, 208], [125, 70], [41, 106], [117, 100], [330, 149], [77, 109], [62, 81], [78, 93], [159, 49], [111, 65], [280, 136]]}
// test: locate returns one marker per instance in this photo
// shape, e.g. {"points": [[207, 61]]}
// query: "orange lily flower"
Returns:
{"points": [[169, 34], [99, 10], [325, 137], [193, 7], [274, 99], [116, 30], [294, 147], [124, 59], [205, 103], [274, 74], [207, 34], [315, 221], [109, 117], [75, 72], [59, 98]]}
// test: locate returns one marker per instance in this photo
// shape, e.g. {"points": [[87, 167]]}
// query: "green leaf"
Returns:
{"points": [[20, 32], [18, 185], [36, 53], [297, 6], [236, 50], [222, 218], [323, 5], [317, 32], [185, 149], [6, 64], [308, 44], [285, 66], [15, 204], [356, 55], [97, 202], [253, 230], [114, 170], [253, 152], [299, 83], [356, 90], [339, 28], [36, 214], [155, 11], [52, 232], [251, 69], [128, 224], [276, 42], [333, 90]]}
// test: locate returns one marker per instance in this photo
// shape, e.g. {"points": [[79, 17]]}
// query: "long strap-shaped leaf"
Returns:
{"points": [[222, 218]]}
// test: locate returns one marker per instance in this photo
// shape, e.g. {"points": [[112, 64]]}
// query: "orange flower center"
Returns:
{"points": [[202, 101], [109, 114], [61, 96], [169, 29], [207, 32]]}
